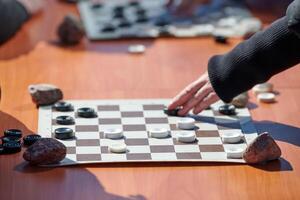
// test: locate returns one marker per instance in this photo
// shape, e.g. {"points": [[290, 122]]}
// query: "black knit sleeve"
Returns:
{"points": [[12, 16], [255, 60]]}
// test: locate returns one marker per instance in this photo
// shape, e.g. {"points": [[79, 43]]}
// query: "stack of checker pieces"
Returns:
{"points": [[135, 118]]}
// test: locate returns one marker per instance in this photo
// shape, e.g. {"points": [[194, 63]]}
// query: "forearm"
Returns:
{"points": [[255, 60], [12, 16]]}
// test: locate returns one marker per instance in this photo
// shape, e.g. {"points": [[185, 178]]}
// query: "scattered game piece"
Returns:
{"points": [[97, 5], [186, 137], [117, 148], [262, 88], [241, 100], [141, 12], [266, 97], [134, 3], [118, 15], [113, 133], [12, 147], [124, 23], [65, 120], [10, 139], [45, 94], [13, 133], [70, 31], [159, 133], [31, 139], [118, 8], [235, 152], [141, 19], [63, 106], [227, 109], [136, 49], [262, 149], [86, 112], [162, 22], [108, 28], [231, 137], [221, 39], [173, 112], [45, 151], [64, 133], [186, 123]]}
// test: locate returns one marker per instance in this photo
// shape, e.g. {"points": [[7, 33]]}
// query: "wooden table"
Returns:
{"points": [[104, 70]]}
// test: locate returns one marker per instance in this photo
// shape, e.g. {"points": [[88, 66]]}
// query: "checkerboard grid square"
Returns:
{"points": [[144, 155]]}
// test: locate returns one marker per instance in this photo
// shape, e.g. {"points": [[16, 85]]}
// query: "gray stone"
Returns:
{"points": [[45, 94], [70, 31], [241, 100], [262, 149], [45, 151]]}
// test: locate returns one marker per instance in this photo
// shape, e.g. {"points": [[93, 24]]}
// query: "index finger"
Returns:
{"points": [[186, 94]]}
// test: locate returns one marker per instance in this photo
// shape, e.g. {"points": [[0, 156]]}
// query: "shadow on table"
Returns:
{"points": [[252, 106], [56, 180], [281, 132], [70, 183]]}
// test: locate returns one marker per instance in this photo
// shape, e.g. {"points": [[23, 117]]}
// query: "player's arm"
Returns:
{"points": [[251, 62], [13, 14]]}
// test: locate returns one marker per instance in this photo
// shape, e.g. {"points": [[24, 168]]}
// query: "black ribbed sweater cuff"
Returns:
{"points": [[254, 61]]}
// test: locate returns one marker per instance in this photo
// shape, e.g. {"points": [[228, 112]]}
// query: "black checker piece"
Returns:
{"points": [[31, 139], [13, 133], [227, 109], [141, 12], [142, 19], [7, 139], [108, 28], [63, 106], [11, 147], [124, 24], [64, 133], [86, 112], [65, 120], [96, 5], [134, 3], [173, 112], [162, 22]]}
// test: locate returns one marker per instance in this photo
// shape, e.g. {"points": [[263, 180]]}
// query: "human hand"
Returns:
{"points": [[184, 7], [32, 6], [197, 96]]}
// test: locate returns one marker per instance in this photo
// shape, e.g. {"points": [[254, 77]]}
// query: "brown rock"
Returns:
{"points": [[45, 94], [262, 149], [241, 100], [70, 31], [45, 151]]}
